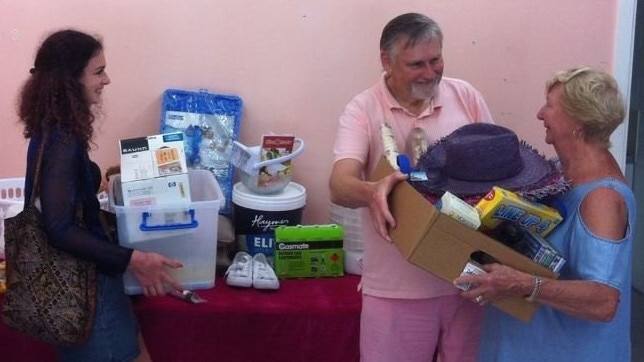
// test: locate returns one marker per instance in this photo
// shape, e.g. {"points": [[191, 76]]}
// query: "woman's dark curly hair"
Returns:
{"points": [[54, 96]]}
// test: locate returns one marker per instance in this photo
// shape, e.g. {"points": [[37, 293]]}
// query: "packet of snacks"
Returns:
{"points": [[501, 205]]}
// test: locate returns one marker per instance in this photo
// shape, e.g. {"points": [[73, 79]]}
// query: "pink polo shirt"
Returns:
{"points": [[385, 272]]}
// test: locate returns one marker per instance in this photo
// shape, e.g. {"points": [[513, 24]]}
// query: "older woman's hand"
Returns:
{"points": [[499, 282]]}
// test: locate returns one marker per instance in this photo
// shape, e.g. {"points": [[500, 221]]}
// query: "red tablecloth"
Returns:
{"points": [[305, 320]]}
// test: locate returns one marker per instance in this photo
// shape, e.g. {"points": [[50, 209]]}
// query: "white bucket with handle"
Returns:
{"points": [[264, 177]]}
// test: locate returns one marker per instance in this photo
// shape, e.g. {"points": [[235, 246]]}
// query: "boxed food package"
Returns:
{"points": [[542, 252], [154, 170], [530, 244], [187, 233], [502, 205], [309, 251], [443, 246]]}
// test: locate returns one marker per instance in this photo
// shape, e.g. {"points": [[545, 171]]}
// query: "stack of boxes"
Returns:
{"points": [[154, 170]]}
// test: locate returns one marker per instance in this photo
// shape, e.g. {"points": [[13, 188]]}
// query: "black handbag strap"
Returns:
{"points": [[36, 181]]}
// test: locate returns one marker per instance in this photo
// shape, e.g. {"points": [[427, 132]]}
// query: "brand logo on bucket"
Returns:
{"points": [[259, 222]]}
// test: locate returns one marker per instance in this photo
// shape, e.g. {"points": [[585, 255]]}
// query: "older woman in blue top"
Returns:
{"points": [[585, 314]]}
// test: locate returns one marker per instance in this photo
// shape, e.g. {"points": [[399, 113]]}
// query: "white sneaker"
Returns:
{"points": [[240, 272], [263, 275]]}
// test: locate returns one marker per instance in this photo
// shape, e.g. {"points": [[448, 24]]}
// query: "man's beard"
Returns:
{"points": [[425, 92]]}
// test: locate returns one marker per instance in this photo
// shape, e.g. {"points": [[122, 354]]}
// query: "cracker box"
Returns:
{"points": [[309, 251], [443, 246], [501, 205], [154, 170]]}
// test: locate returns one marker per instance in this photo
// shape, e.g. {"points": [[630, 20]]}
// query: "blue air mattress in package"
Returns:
{"points": [[210, 123]]}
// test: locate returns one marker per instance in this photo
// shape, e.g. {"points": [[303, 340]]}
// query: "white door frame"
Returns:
{"points": [[623, 69]]}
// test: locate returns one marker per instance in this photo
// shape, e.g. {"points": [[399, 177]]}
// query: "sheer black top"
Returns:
{"points": [[65, 180]]}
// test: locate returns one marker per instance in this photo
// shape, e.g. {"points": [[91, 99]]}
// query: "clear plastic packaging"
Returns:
{"points": [[210, 123]]}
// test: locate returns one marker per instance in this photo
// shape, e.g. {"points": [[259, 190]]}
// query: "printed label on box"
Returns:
{"points": [[501, 205], [273, 147], [152, 156], [164, 190], [308, 251], [471, 268]]}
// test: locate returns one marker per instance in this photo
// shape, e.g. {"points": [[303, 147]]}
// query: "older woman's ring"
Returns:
{"points": [[479, 299]]}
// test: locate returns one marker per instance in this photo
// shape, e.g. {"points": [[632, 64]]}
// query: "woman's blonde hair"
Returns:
{"points": [[591, 96]]}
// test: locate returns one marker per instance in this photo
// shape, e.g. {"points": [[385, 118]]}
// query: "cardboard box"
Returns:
{"points": [[152, 156], [443, 246], [501, 205], [308, 251], [166, 190], [154, 170], [540, 250]]}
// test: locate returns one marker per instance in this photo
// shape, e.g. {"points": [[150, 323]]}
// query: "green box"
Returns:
{"points": [[309, 251]]}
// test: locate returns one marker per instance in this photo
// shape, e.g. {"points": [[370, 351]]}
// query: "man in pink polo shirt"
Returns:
{"points": [[407, 314]]}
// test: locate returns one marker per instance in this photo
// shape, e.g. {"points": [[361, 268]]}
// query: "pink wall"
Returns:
{"points": [[297, 63]]}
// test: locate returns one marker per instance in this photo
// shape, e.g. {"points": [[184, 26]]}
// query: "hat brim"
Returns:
{"points": [[536, 173]]}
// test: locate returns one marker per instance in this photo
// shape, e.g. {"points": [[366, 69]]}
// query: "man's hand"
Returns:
{"points": [[379, 206]]}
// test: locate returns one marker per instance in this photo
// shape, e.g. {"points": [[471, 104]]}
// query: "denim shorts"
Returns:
{"points": [[114, 336]]}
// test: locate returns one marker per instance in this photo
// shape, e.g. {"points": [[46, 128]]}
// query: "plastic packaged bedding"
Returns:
{"points": [[210, 123]]}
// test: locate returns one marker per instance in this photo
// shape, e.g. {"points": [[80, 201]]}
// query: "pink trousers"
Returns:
{"points": [[419, 330]]}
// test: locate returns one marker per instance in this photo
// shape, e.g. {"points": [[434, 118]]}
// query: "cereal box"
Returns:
{"points": [[501, 205]]}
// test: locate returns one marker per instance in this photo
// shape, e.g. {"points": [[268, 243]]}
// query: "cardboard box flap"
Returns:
{"points": [[413, 218]]}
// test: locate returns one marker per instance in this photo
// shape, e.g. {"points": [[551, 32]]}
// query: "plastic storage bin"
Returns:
{"points": [[12, 192], [193, 243]]}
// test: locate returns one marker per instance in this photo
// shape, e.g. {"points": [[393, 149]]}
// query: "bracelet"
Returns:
{"points": [[535, 291]]}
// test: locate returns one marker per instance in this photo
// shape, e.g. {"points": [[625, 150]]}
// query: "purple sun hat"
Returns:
{"points": [[478, 156]]}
